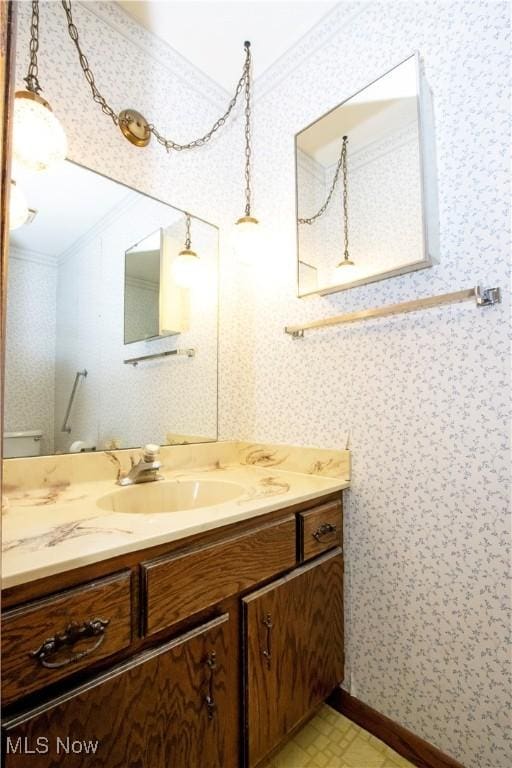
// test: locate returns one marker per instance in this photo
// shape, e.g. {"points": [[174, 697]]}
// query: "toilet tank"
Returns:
{"points": [[22, 444]]}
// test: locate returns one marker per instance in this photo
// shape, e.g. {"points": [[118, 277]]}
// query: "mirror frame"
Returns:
{"points": [[427, 168]]}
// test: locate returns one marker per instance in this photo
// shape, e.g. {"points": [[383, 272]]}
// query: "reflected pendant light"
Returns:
{"points": [[340, 168], [346, 261], [39, 140], [186, 265], [247, 230]]}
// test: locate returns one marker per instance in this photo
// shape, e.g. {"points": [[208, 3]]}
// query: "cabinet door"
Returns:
{"points": [[293, 651], [167, 708]]}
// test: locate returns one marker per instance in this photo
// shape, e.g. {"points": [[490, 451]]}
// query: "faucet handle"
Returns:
{"points": [[150, 452]]}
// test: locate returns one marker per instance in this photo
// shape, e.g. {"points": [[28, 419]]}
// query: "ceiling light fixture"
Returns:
{"points": [[186, 265], [39, 140]]}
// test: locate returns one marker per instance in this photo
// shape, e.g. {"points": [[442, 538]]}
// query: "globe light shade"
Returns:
{"points": [[186, 268], [39, 140], [247, 240], [18, 208]]}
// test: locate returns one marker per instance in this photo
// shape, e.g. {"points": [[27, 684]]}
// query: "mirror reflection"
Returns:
{"points": [[362, 213], [142, 289], [92, 285]]}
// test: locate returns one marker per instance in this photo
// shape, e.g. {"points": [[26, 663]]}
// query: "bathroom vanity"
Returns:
{"points": [[206, 649]]}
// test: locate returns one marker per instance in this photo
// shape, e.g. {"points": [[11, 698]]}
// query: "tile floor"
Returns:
{"points": [[330, 740]]}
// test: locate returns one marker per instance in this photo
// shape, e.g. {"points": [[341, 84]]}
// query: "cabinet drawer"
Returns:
{"points": [[320, 529], [183, 584], [48, 639]]}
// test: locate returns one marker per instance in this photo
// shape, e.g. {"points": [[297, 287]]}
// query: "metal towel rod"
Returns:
{"points": [[65, 426], [136, 360], [484, 297]]}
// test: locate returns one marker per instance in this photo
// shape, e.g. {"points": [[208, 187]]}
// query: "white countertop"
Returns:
{"points": [[59, 527]]}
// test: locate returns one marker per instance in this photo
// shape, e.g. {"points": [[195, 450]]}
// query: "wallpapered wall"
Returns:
{"points": [[423, 396], [30, 347]]}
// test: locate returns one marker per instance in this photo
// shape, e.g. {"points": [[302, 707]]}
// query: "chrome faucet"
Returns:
{"points": [[146, 470]]}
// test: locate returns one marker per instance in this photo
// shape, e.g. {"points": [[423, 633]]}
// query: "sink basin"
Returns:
{"points": [[170, 496]]}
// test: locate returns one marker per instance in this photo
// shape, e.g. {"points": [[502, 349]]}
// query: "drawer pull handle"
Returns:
{"points": [[71, 635], [325, 530], [267, 652], [211, 663]]}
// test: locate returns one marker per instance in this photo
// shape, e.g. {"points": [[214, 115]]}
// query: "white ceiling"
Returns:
{"points": [[211, 34], [69, 200]]}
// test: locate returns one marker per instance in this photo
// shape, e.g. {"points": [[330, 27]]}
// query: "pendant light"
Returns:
{"points": [[18, 208], [39, 140], [186, 266], [247, 230]]}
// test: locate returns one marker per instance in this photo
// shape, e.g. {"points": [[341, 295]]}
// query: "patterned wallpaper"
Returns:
{"points": [[30, 347], [423, 396]]}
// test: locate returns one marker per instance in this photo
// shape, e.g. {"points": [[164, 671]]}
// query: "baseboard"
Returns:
{"points": [[414, 749]]}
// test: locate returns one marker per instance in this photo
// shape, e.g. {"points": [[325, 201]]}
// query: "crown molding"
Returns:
{"points": [[139, 282], [317, 37], [25, 254], [159, 51], [125, 204]]}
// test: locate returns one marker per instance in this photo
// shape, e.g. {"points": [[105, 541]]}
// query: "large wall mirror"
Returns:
{"points": [[107, 346], [366, 186]]}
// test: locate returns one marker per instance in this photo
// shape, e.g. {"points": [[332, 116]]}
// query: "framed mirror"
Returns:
{"points": [[105, 347], [366, 186]]}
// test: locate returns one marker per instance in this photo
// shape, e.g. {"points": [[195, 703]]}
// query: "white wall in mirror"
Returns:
{"points": [[66, 314]]}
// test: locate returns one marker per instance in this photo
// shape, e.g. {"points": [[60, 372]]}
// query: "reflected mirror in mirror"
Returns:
{"points": [[96, 268], [142, 289], [366, 196]]}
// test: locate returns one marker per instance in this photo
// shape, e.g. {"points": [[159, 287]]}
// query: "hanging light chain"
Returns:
{"points": [[248, 147], [188, 241], [31, 79], [169, 144], [97, 96], [342, 165], [345, 196]]}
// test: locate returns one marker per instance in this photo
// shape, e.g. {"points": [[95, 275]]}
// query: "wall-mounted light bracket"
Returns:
{"points": [[134, 127]]}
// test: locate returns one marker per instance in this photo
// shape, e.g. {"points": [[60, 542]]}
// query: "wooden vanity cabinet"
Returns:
{"points": [[293, 651], [217, 648], [173, 706]]}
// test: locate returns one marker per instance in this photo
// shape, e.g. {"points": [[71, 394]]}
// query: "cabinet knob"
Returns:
{"points": [[73, 633], [324, 530]]}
